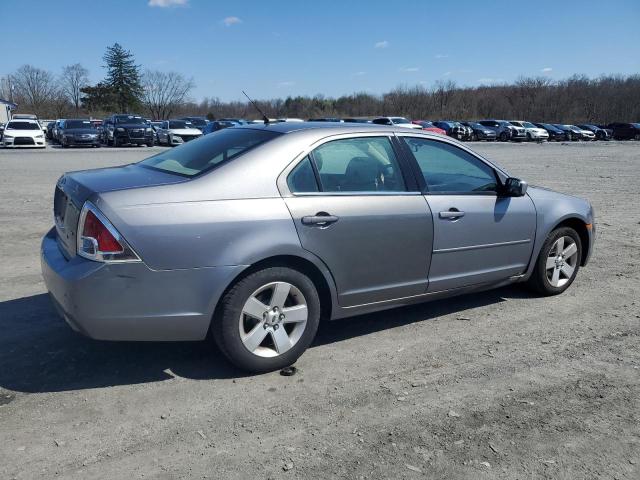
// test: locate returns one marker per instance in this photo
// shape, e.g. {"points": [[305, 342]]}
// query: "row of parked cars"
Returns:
{"points": [[125, 129]]}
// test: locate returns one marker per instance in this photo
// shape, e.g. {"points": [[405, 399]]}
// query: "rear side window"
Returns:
{"points": [[449, 169], [302, 179], [206, 153], [364, 164]]}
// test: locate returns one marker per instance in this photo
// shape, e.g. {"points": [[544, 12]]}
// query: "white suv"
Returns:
{"points": [[533, 132]]}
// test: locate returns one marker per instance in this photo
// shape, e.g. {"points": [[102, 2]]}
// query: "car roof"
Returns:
{"points": [[28, 120]]}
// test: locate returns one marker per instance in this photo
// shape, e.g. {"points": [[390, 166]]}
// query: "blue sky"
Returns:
{"points": [[280, 48]]}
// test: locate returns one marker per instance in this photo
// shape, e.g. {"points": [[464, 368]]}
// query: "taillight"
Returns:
{"points": [[98, 239]]}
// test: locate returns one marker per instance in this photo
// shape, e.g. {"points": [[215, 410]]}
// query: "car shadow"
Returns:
{"points": [[40, 353]]}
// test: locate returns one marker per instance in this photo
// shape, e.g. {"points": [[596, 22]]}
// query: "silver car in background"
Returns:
{"points": [[254, 234]]}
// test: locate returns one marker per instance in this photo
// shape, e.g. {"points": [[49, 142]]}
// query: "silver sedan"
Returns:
{"points": [[255, 234]]}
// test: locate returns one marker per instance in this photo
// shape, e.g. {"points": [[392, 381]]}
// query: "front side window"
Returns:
{"points": [[365, 164], [206, 153], [449, 169]]}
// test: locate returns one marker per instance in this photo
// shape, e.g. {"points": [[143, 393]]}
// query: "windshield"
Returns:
{"points": [[399, 120], [208, 152], [179, 124], [528, 125], [78, 124], [516, 124], [129, 119], [22, 126]]}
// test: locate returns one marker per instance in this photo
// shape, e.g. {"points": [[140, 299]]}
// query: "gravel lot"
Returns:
{"points": [[500, 384]]}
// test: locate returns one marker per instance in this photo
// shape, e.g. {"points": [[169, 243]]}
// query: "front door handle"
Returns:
{"points": [[320, 219], [452, 214]]}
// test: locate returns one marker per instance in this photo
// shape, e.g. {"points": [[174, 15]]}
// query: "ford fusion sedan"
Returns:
{"points": [[254, 234], [78, 132], [23, 133], [533, 133], [177, 132]]}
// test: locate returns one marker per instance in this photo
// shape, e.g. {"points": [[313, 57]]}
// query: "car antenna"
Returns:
{"points": [[264, 117]]}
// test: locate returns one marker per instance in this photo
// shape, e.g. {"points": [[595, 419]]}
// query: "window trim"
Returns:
{"points": [[412, 188], [497, 172]]}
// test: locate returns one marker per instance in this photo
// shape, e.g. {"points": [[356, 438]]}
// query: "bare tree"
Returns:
{"points": [[73, 79], [33, 86], [164, 92]]}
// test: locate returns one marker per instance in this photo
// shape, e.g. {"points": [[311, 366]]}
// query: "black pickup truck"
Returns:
{"points": [[127, 129]]}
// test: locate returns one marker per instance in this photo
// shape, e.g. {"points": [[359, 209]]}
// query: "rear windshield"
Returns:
{"points": [[177, 124], [206, 153], [196, 121], [22, 126]]}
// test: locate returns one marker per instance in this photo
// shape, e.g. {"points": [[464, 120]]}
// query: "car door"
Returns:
{"points": [[361, 213], [163, 133], [479, 236]]}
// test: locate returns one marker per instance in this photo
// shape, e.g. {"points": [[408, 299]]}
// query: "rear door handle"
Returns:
{"points": [[452, 214], [320, 219]]}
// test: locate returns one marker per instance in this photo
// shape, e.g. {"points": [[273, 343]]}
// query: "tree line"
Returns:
{"points": [[126, 88]]}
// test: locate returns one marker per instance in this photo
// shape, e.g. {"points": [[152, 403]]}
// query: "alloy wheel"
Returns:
{"points": [[273, 319], [561, 261]]}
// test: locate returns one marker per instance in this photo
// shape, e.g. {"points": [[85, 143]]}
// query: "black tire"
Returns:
{"points": [[538, 280], [529, 137], [504, 137], [150, 144], [474, 137], [225, 325], [115, 142]]}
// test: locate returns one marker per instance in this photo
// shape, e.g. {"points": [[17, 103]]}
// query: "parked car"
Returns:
{"points": [[218, 125], [454, 129], [580, 134], [23, 133], [625, 131], [177, 132], [126, 129], [554, 132], [572, 135], [532, 132], [428, 126], [356, 120], [56, 130], [600, 133], [480, 132], [198, 122], [50, 129], [78, 132], [190, 244], [505, 131], [395, 121]]}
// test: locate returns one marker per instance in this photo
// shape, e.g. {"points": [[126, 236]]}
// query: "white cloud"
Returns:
{"points": [[382, 44], [487, 80], [167, 3], [442, 55], [409, 69], [231, 21], [547, 70], [287, 83]]}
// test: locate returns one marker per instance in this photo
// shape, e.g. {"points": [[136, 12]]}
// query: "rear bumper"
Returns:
{"points": [[130, 301]]}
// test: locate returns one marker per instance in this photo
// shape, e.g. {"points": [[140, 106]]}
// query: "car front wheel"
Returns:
{"points": [[558, 262], [267, 319]]}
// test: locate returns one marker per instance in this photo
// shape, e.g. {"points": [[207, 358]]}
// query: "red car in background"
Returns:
{"points": [[429, 127]]}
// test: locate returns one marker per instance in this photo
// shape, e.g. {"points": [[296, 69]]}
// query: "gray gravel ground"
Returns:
{"points": [[499, 384]]}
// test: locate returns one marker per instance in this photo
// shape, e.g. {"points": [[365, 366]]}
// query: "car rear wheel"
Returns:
{"points": [[504, 137], [558, 262], [267, 319]]}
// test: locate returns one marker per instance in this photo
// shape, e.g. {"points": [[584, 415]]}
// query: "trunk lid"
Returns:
{"points": [[75, 188]]}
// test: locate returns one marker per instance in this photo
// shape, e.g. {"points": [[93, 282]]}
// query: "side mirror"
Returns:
{"points": [[514, 187]]}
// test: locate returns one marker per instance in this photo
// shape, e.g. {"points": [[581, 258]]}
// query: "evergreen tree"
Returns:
{"points": [[123, 77]]}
